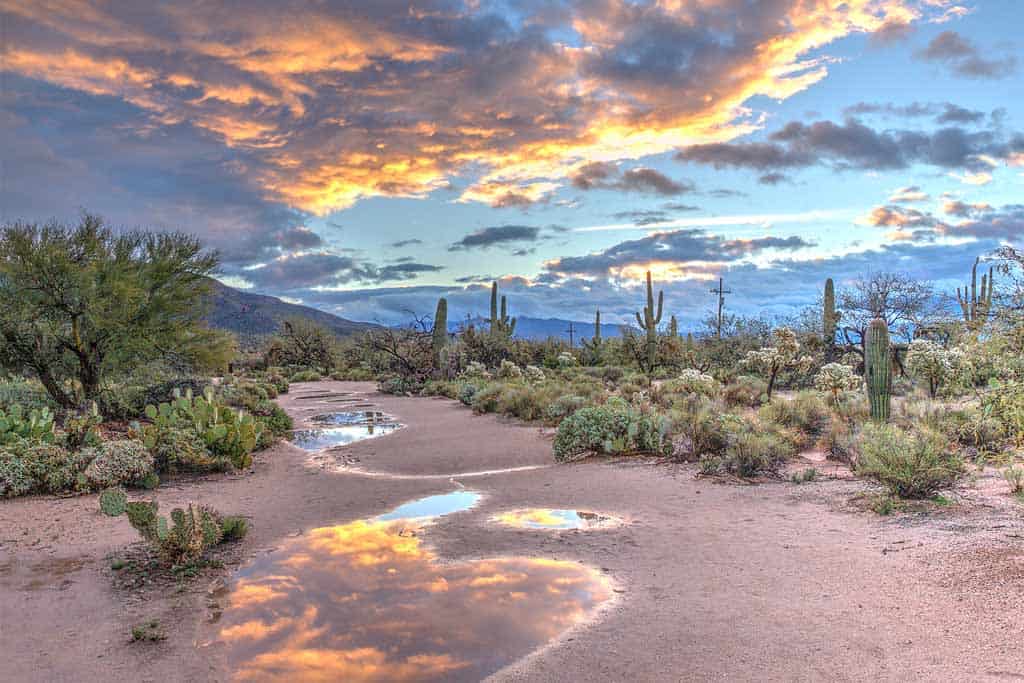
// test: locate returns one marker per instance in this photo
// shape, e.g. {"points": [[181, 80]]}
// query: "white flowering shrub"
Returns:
{"points": [[784, 354], [566, 360], [509, 370], [694, 381], [476, 369], [534, 374]]}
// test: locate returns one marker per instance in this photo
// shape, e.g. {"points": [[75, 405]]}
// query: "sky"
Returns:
{"points": [[367, 158]]}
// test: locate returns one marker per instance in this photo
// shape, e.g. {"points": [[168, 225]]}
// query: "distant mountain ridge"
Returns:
{"points": [[539, 329], [252, 316]]}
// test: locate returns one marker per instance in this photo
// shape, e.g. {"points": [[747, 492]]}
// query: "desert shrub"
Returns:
{"points": [[839, 442], [566, 360], [509, 370], [185, 539], [613, 428], [751, 451], [911, 464], [398, 386], [15, 475], [563, 406], [694, 381], [485, 400], [233, 528], [162, 392], [521, 401], [274, 418], [467, 390], [476, 369], [746, 391], [118, 463], [179, 449], [56, 469], [306, 376], [934, 364], [808, 475], [806, 413], [446, 388], [1014, 476], [28, 394], [534, 374], [80, 429], [113, 501], [700, 422]]}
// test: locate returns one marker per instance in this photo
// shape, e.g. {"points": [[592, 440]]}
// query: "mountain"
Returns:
{"points": [[542, 328], [252, 316]]}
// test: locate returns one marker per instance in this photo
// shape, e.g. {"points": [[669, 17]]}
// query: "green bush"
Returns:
{"points": [[485, 400], [233, 528], [28, 394], [27, 467], [911, 464], [752, 451], [306, 376], [613, 428], [33, 425], [806, 413], [15, 475], [563, 406], [467, 390], [118, 463], [701, 423], [746, 391], [180, 449]]}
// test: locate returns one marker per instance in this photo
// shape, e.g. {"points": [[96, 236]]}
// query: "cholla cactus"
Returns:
{"points": [[934, 364], [835, 379], [476, 369], [566, 360], [696, 382], [784, 354], [509, 370], [534, 374]]}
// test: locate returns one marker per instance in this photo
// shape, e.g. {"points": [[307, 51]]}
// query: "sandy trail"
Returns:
{"points": [[768, 582]]}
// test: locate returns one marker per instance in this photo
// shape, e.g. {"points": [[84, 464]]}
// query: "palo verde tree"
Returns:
{"points": [[81, 304]]}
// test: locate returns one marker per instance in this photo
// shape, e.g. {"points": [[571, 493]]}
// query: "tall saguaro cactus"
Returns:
{"points": [[878, 369], [829, 317], [649, 323], [596, 339], [501, 324], [673, 327], [974, 304], [440, 335]]}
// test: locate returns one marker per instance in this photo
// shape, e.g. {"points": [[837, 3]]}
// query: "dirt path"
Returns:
{"points": [[769, 582]]}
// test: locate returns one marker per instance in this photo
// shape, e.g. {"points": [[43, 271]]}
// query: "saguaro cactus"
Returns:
{"points": [[878, 369], [440, 334], [649, 323], [673, 327], [596, 339], [500, 322], [829, 317], [974, 304]]}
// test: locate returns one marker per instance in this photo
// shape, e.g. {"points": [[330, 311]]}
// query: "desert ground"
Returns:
{"points": [[703, 579]]}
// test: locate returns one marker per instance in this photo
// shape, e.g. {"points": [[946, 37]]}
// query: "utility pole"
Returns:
{"points": [[721, 292], [571, 331]]}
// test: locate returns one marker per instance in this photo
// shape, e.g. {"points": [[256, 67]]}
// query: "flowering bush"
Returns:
{"points": [[566, 360], [534, 374], [476, 369]]}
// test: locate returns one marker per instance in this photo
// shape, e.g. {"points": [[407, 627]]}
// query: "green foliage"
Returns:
{"points": [[226, 432], [33, 425], [80, 304], [562, 407], [148, 632], [185, 538], [784, 355], [113, 501], [878, 369], [80, 429], [614, 428], [118, 463], [934, 364], [306, 376], [300, 342], [233, 528], [752, 451], [805, 413], [746, 391], [29, 394], [16, 477], [835, 379], [1014, 476], [910, 464], [701, 423]]}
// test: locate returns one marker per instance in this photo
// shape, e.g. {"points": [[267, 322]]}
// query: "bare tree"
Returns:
{"points": [[903, 302]]}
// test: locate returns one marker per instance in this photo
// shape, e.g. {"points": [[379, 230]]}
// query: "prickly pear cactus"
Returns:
{"points": [[113, 501]]}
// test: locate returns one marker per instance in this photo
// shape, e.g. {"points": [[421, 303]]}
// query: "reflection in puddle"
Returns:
{"points": [[318, 439], [550, 518], [368, 601], [362, 417], [433, 506]]}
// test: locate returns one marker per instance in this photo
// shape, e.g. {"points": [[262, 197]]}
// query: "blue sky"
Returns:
{"points": [[368, 158]]}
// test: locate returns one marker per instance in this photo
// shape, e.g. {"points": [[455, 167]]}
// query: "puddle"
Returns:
{"points": [[318, 439], [352, 418], [369, 601], [551, 518]]}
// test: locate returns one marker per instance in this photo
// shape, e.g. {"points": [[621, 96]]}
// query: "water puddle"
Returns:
{"points": [[327, 437], [369, 601], [551, 518], [352, 418]]}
